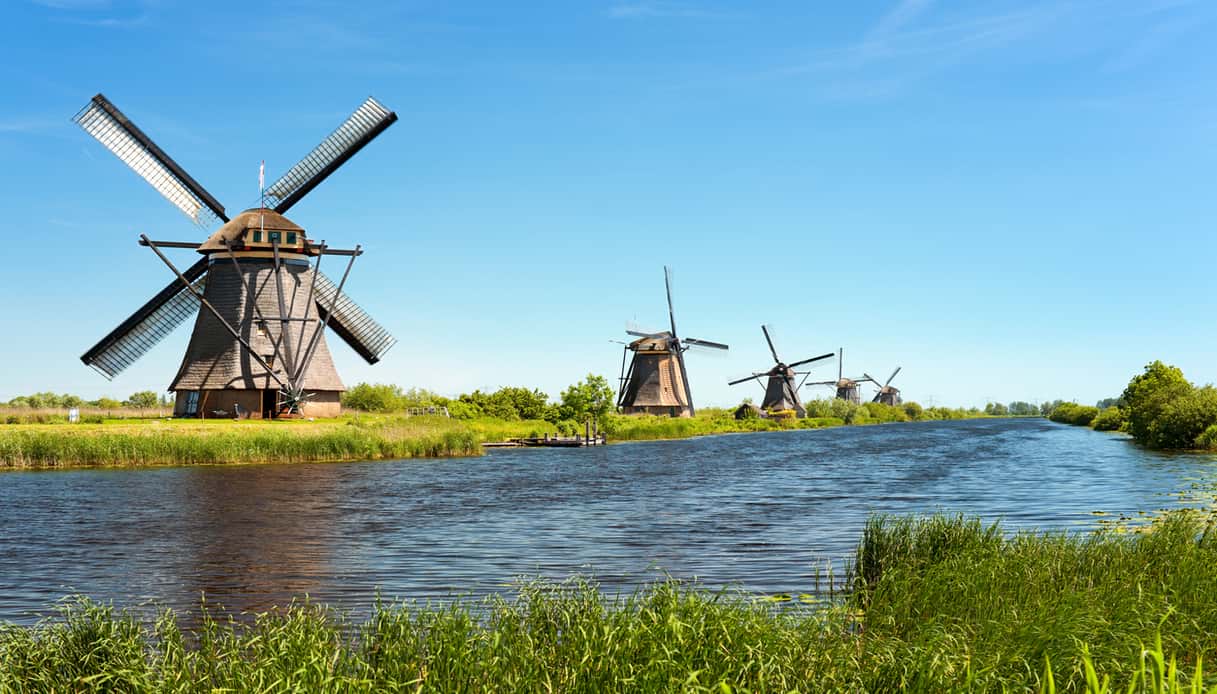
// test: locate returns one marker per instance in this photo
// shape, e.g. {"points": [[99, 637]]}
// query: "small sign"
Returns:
{"points": [[74, 415]]}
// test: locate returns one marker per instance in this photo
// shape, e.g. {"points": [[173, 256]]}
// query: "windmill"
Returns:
{"points": [[781, 393], [259, 299], [888, 394], [656, 381], [847, 388]]}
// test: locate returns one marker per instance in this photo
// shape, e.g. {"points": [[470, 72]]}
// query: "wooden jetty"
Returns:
{"points": [[591, 437], [550, 442]]}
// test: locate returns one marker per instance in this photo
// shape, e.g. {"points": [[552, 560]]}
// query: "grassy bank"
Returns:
{"points": [[939, 604], [137, 442], [193, 442]]}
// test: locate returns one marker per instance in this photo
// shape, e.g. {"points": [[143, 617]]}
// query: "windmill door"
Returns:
{"points": [[269, 403]]}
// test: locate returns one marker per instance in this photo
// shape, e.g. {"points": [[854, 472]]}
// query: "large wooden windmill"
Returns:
{"points": [[847, 388], [781, 391], [887, 393], [656, 381], [259, 299]]}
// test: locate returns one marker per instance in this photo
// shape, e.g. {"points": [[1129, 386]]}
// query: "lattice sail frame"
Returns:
{"points": [[120, 136], [352, 323], [125, 349], [364, 124]]}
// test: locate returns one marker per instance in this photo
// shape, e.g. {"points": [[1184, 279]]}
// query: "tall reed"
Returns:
{"points": [[938, 604]]}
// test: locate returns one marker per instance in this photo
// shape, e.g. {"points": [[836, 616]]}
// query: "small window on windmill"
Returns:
{"points": [[274, 237], [260, 328], [257, 237], [269, 359], [192, 402], [291, 238]]}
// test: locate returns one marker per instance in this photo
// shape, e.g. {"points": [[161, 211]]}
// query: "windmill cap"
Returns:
{"points": [[234, 230]]}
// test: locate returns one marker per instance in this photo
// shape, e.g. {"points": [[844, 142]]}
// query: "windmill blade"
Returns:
{"points": [[822, 357], [102, 120], [768, 339], [821, 383], [867, 377], [168, 309], [367, 337], [640, 333], [704, 343], [667, 283], [368, 121], [889, 378], [737, 381]]}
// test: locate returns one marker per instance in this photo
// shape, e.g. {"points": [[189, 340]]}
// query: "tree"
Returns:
{"points": [[1148, 394], [378, 397], [1020, 408], [143, 400], [107, 404], [1184, 418], [1109, 402], [590, 397], [996, 409]]}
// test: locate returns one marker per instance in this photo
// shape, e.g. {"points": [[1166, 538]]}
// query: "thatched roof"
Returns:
{"points": [[234, 230]]}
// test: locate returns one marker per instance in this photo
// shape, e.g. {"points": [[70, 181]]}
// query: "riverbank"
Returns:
{"points": [[938, 604], [163, 441]]}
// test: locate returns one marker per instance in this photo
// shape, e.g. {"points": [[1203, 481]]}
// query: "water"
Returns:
{"points": [[757, 511]]}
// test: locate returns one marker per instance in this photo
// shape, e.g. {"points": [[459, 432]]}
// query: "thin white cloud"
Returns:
{"points": [[74, 4], [642, 10], [905, 12], [30, 125]]}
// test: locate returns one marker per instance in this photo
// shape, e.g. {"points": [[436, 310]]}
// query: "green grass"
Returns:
{"points": [[935, 604], [194, 442]]}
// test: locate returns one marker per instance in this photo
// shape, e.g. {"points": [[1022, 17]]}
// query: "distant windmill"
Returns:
{"points": [[888, 394], [781, 393], [656, 381], [847, 388]]}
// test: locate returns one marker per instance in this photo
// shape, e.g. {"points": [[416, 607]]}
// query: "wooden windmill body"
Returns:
{"points": [[260, 300], [887, 393], [782, 381], [655, 380], [846, 388]]}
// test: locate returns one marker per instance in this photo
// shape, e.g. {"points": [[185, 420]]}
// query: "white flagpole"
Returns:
{"points": [[262, 192]]}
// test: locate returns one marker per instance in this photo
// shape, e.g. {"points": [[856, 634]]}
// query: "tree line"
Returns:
{"points": [[140, 400], [1159, 408], [590, 397]]}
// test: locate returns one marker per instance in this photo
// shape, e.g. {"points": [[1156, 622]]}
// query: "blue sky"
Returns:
{"points": [[1011, 200]]}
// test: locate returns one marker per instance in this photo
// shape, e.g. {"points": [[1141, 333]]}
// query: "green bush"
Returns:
{"points": [[1075, 414], [1181, 421], [1110, 419]]}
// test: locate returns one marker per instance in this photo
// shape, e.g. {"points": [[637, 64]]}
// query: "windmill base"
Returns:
{"points": [[231, 403], [658, 410]]}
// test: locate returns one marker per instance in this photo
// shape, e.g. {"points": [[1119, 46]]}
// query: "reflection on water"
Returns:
{"points": [[761, 511]]}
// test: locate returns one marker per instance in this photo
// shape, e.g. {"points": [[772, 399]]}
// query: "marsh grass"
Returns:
{"points": [[937, 604]]}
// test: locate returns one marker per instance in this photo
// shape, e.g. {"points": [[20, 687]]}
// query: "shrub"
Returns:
{"points": [[1110, 419], [1075, 414], [1183, 420]]}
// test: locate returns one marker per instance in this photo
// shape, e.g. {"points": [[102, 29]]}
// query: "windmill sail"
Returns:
{"points": [[367, 337], [368, 121], [171, 307], [117, 133]]}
